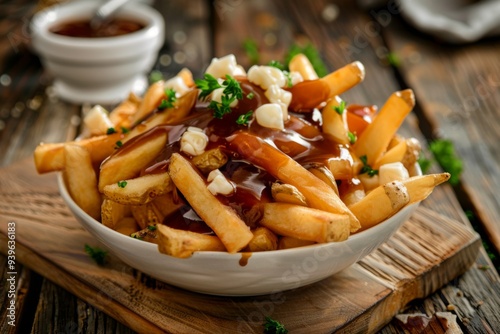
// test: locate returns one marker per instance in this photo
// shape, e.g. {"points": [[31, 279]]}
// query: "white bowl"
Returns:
{"points": [[97, 70], [220, 273]]}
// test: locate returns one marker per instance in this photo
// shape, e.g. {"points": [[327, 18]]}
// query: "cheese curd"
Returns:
{"points": [[97, 121], [219, 184], [217, 97], [177, 84], [219, 67], [194, 141], [392, 171], [275, 94], [270, 115], [265, 76]]}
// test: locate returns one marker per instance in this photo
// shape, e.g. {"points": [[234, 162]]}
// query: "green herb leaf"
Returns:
{"points": [[169, 101], [122, 184], [272, 326], [110, 131], [393, 59], [424, 163], [367, 168], [232, 92], [445, 155], [243, 119], [252, 50], [118, 144], [340, 109], [312, 54], [152, 227], [250, 95], [155, 76], [124, 130], [207, 85], [276, 63], [97, 254], [352, 137]]}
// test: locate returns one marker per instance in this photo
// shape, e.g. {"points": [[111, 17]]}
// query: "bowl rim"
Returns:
{"points": [[43, 20], [225, 255]]}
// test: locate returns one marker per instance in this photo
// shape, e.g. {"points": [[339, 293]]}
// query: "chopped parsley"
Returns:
{"points": [[110, 131], [352, 137], [252, 50], [445, 155], [207, 85], [393, 59], [243, 119], [340, 109], [119, 144], [272, 326], [152, 227], [169, 101], [122, 184], [124, 130], [367, 168], [250, 95], [231, 92], [97, 254], [276, 63]]}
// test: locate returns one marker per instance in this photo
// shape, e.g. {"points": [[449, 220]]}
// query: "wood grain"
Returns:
{"points": [[425, 254]]}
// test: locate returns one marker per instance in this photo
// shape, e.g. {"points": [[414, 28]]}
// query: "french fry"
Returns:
{"points": [[149, 234], [181, 109], [222, 219], [126, 226], [305, 223], [187, 76], [152, 98], [289, 242], [127, 162], [210, 160], [146, 215], [300, 63], [286, 193], [49, 157], [183, 244], [81, 179], [377, 135], [344, 78], [121, 115], [324, 174], [334, 123], [263, 240], [317, 193], [166, 205], [406, 151], [140, 190], [112, 213], [380, 204], [419, 187]]}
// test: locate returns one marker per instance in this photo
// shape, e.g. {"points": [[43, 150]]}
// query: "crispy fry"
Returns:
{"points": [[50, 157], [380, 204], [210, 160], [263, 240], [112, 213], [300, 63], [344, 78], [126, 226], [146, 215], [81, 179], [128, 162], [151, 100], [317, 193], [140, 190], [286, 193], [167, 204], [335, 123], [289, 242], [419, 187], [305, 223], [187, 76], [377, 135], [183, 244], [121, 116], [223, 220], [149, 234], [324, 174]]}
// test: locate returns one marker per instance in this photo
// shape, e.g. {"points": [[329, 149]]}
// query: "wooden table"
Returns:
{"points": [[458, 98]]}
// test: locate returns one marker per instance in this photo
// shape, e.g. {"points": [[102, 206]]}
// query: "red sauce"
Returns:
{"points": [[82, 28], [302, 140]]}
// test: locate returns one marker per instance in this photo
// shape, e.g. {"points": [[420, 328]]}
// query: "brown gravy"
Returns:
{"points": [[82, 28]]}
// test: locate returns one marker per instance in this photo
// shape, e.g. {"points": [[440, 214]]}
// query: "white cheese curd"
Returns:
{"points": [[219, 184], [178, 85], [97, 121], [369, 182], [270, 115], [217, 97], [275, 94], [265, 76], [391, 172], [219, 67], [295, 78], [194, 141]]}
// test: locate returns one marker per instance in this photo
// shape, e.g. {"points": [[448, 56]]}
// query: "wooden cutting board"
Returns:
{"points": [[426, 253]]}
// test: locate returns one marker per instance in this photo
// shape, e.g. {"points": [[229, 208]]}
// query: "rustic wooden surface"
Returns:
{"points": [[426, 253], [457, 94]]}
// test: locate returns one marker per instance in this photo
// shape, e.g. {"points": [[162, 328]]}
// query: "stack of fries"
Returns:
{"points": [[238, 161]]}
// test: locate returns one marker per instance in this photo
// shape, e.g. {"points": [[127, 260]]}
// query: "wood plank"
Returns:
{"points": [[458, 91], [50, 241]]}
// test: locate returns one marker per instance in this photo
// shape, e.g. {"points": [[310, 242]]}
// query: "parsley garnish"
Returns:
{"points": [[122, 184], [277, 64], [169, 101], [232, 92], [352, 137], [124, 130], [118, 144], [393, 59], [274, 327], [97, 254], [243, 119], [250, 95], [207, 85], [367, 168], [152, 227], [110, 131], [340, 108], [252, 50], [445, 155]]}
